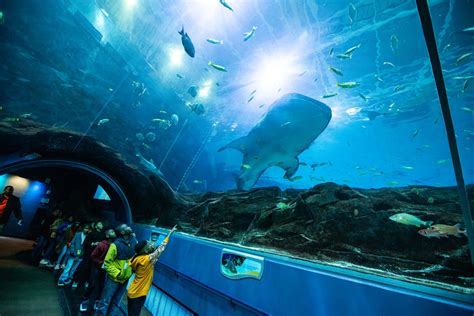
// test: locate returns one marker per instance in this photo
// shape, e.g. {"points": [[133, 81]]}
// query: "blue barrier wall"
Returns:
{"points": [[189, 272]]}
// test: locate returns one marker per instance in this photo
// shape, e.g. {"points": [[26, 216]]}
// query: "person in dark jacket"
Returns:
{"points": [[8, 204], [97, 276], [92, 240]]}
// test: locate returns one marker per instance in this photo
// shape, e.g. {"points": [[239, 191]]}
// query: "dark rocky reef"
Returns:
{"points": [[335, 223], [149, 196]]}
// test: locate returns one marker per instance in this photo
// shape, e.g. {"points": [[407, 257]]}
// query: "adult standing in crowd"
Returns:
{"points": [[92, 240], [9, 203], [97, 276], [118, 271]]}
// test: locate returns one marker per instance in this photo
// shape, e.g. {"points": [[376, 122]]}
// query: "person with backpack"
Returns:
{"points": [[118, 271]]}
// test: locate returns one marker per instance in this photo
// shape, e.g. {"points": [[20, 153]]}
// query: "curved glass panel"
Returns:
{"points": [[331, 102]]}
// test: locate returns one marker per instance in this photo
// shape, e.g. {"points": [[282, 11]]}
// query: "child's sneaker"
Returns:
{"points": [[43, 262], [83, 306], [74, 285], [67, 281], [61, 283], [57, 267]]}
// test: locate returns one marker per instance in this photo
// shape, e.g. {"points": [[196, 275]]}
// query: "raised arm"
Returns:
{"points": [[156, 254]]}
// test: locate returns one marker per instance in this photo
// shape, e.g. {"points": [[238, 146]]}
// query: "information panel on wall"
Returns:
{"points": [[240, 265]]}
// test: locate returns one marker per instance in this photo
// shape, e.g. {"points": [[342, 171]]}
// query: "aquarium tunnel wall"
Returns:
{"points": [[312, 140]]}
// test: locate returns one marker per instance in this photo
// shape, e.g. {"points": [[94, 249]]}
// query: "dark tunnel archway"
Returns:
{"points": [[77, 165]]}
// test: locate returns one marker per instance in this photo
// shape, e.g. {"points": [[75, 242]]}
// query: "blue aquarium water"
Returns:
{"points": [[221, 95]]}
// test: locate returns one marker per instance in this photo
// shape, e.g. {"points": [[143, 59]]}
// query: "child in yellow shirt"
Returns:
{"points": [[142, 264]]}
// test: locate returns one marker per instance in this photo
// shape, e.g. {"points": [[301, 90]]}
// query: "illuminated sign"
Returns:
{"points": [[239, 265]]}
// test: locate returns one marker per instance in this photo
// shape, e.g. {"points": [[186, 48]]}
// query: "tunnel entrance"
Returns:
{"points": [[78, 188]]}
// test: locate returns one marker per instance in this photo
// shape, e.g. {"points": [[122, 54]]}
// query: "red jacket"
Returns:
{"points": [[99, 252]]}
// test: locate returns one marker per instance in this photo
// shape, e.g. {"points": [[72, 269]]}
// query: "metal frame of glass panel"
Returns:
{"points": [[427, 25]]}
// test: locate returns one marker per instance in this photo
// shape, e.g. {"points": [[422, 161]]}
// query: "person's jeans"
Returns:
{"points": [[135, 305], [111, 299], [63, 255], [40, 245], [96, 284], [71, 266]]}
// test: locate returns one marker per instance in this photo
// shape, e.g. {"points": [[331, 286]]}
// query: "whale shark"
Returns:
{"points": [[288, 128]]}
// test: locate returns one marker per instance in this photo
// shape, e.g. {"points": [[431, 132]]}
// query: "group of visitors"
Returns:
{"points": [[108, 264]]}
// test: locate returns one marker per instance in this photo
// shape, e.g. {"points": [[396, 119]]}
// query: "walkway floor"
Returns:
{"points": [[25, 289]]}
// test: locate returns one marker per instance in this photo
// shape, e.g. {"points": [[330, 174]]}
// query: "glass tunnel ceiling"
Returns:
{"points": [[117, 71]]}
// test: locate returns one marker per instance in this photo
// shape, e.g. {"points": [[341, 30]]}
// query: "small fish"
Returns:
{"points": [[441, 230], [26, 115], [245, 166], [197, 181], [351, 50], [465, 85], [162, 111], [226, 5], [187, 43], [249, 35], [180, 76], [174, 119], [329, 95], [394, 44], [140, 136], [469, 29], [408, 219], [303, 164], [430, 200], [352, 13], [282, 205], [296, 178], [103, 121], [442, 161], [392, 183], [253, 92], [364, 97], [465, 109], [193, 91], [250, 99], [446, 48], [284, 124], [331, 52], [261, 105], [378, 78], [415, 133], [463, 58], [344, 56], [387, 63], [150, 136], [463, 77], [301, 73], [214, 41], [408, 167], [398, 88], [216, 66], [336, 71], [347, 85]]}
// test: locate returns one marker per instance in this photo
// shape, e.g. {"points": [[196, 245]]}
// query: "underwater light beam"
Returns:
{"points": [[176, 56]]}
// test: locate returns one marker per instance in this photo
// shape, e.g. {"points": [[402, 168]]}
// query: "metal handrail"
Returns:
{"points": [[427, 25]]}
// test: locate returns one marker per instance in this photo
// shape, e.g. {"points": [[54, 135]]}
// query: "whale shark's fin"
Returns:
{"points": [[240, 144], [290, 166]]}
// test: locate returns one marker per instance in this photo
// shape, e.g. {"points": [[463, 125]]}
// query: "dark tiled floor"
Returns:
{"points": [[28, 290]]}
